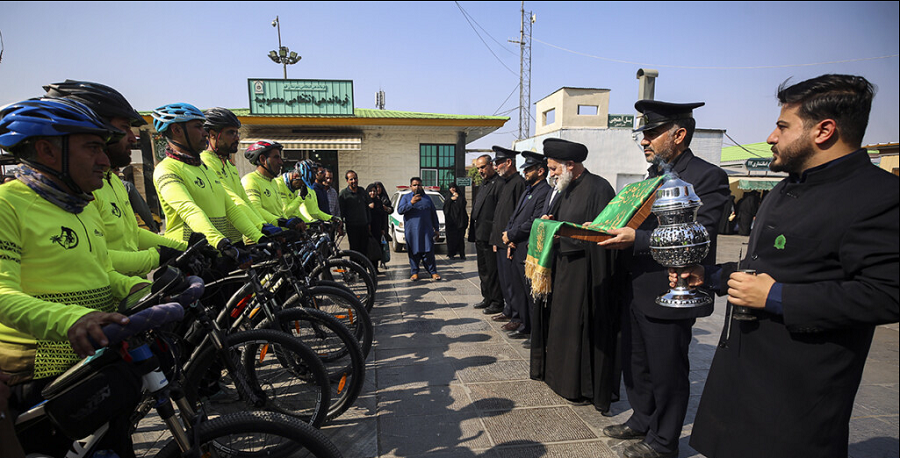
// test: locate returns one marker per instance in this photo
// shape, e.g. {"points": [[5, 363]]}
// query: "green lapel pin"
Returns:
{"points": [[780, 241]]}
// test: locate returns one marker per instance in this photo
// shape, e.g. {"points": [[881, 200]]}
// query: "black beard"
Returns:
{"points": [[791, 157], [118, 158]]}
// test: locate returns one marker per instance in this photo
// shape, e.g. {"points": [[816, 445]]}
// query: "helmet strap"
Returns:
{"points": [[63, 174]]}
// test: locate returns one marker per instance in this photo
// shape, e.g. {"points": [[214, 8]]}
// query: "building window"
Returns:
{"points": [[437, 165], [550, 116], [587, 110]]}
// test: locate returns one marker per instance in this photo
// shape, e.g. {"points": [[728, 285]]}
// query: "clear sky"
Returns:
{"points": [[426, 56]]}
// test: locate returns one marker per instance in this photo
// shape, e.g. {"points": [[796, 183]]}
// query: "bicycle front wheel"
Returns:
{"points": [[334, 345], [265, 370], [256, 435], [352, 276]]}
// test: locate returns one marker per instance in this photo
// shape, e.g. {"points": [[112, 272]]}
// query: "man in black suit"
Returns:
{"points": [[513, 185], [529, 208], [826, 256], [655, 339], [480, 225]]}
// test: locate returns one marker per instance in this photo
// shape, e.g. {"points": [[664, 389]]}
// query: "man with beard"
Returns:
{"points": [[480, 225], [355, 204], [512, 186], [321, 190], [132, 250], [574, 340], [221, 126], [655, 339], [261, 189], [190, 193], [826, 256], [529, 208]]}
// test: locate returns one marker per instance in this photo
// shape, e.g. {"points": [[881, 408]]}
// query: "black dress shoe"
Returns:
{"points": [[644, 450], [493, 309], [622, 432], [481, 305], [526, 343], [518, 335]]}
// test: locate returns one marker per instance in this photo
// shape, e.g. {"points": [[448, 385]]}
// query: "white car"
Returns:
{"points": [[395, 221]]}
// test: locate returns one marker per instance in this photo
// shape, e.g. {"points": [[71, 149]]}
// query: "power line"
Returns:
{"points": [[507, 99], [483, 29], [482, 39], [643, 64], [741, 146]]}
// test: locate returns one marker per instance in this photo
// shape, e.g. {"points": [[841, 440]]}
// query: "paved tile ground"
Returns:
{"points": [[444, 381]]}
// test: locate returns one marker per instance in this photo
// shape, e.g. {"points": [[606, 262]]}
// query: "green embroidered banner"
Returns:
{"points": [[617, 214]]}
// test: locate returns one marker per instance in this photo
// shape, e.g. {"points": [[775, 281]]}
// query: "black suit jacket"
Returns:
{"points": [[529, 208], [649, 279], [506, 204], [482, 220]]}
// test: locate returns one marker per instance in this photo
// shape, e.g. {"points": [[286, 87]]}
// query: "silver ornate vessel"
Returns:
{"points": [[679, 241]]}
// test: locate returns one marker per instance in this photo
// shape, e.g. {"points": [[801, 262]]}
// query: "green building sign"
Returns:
{"points": [[758, 163], [301, 97], [621, 120]]}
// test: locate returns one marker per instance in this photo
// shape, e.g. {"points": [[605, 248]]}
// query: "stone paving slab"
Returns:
{"points": [[405, 435], [540, 424]]}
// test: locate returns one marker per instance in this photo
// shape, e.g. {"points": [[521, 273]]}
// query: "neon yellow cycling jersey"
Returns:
{"points": [[54, 269], [193, 200], [132, 250], [264, 195], [228, 175], [306, 208]]}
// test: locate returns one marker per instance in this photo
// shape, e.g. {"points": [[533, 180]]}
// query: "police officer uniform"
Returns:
{"points": [[529, 208], [655, 338], [513, 186]]}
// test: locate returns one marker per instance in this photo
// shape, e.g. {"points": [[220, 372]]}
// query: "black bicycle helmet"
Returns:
{"points": [[104, 100], [219, 118]]}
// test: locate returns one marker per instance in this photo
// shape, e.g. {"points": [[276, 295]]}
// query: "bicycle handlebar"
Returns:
{"points": [[144, 320]]}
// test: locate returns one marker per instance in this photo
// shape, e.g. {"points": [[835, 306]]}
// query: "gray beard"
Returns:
{"points": [[563, 180]]}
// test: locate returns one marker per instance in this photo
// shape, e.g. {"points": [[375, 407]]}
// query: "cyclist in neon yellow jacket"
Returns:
{"points": [[191, 195], [57, 286], [222, 127], [132, 250], [295, 189], [260, 184]]}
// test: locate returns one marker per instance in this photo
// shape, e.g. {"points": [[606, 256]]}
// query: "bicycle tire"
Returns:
{"points": [[291, 436], [350, 274], [282, 371], [362, 260], [342, 305], [335, 346]]}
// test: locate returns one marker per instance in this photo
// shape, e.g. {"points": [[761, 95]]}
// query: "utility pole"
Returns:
{"points": [[524, 43], [284, 55]]}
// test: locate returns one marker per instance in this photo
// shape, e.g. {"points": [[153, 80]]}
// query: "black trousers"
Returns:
{"points": [[656, 368], [358, 236], [487, 273], [524, 302], [505, 276]]}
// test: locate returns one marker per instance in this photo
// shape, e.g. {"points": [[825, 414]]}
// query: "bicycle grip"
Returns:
{"points": [[144, 320]]}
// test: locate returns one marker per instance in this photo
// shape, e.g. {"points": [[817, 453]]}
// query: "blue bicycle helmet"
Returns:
{"points": [[307, 171], [173, 113], [50, 117]]}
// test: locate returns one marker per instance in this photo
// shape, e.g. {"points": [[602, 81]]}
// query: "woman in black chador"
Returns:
{"points": [[455, 221]]}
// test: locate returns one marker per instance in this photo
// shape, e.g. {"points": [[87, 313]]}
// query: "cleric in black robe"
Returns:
{"points": [[826, 255], [574, 339]]}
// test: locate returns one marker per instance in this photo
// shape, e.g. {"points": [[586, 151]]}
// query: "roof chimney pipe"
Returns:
{"points": [[647, 83]]}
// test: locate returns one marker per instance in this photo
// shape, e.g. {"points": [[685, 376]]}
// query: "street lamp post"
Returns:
{"points": [[284, 55]]}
